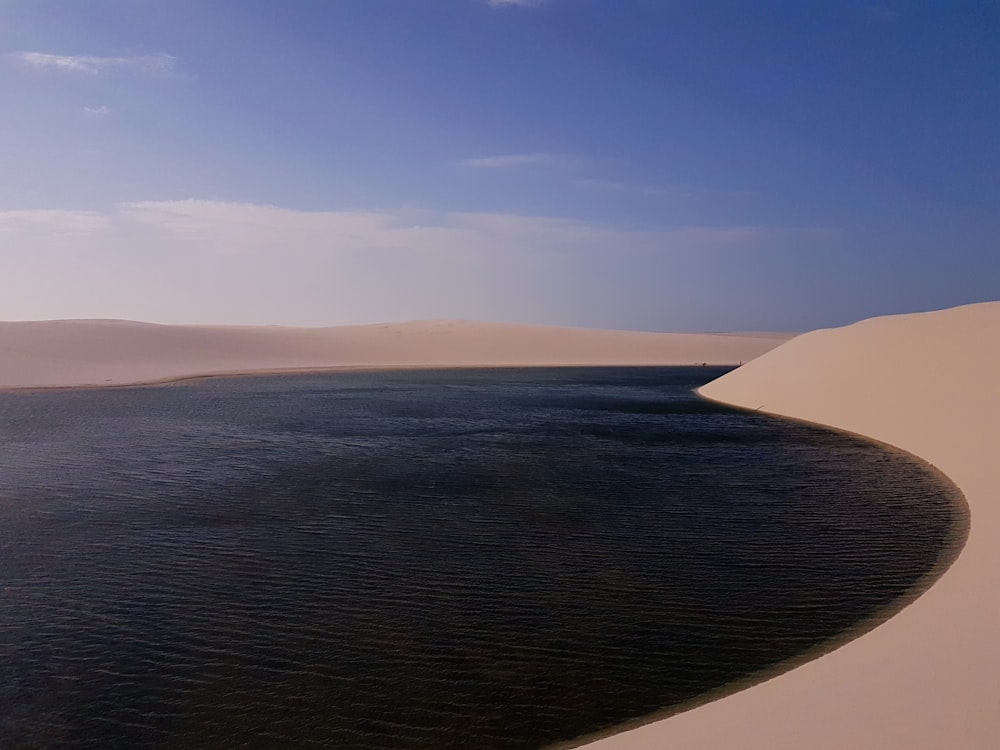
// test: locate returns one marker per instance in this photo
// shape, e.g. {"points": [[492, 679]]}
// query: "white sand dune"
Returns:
{"points": [[928, 678], [114, 352]]}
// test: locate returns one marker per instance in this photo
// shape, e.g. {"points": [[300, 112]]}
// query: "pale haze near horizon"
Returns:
{"points": [[636, 164]]}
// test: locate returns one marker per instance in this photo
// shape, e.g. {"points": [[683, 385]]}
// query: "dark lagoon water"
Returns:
{"points": [[438, 559]]}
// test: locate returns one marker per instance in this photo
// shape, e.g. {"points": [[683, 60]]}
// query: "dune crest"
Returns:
{"points": [[927, 678], [117, 352]]}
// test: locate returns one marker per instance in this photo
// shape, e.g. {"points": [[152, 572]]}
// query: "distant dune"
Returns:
{"points": [[114, 352], [929, 678]]}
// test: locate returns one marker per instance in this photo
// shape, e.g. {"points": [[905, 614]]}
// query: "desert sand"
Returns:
{"points": [[929, 677], [114, 352]]}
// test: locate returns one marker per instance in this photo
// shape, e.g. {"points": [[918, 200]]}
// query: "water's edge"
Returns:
{"points": [[949, 553]]}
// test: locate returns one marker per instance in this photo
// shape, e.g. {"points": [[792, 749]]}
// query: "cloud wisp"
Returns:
{"points": [[238, 227], [53, 221], [671, 191], [624, 187], [514, 3], [92, 64], [250, 263], [512, 161]]}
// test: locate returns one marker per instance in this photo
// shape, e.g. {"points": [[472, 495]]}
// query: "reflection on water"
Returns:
{"points": [[441, 559]]}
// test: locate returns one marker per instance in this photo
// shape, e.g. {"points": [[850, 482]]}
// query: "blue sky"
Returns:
{"points": [[647, 164]]}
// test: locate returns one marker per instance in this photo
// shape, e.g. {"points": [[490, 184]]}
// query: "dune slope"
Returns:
{"points": [[927, 679], [114, 352]]}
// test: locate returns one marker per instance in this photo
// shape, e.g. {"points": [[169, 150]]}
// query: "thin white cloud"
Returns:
{"points": [[624, 187], [514, 3], [671, 191], [203, 260], [415, 229], [53, 220], [508, 161], [90, 64], [882, 12], [97, 111], [234, 226]]}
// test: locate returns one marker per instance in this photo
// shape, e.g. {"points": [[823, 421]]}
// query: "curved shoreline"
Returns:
{"points": [[926, 678], [949, 553]]}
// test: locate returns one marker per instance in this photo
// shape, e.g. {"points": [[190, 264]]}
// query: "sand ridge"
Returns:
{"points": [[113, 352], [926, 679]]}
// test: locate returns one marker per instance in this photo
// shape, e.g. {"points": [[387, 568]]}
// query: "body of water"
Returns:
{"points": [[425, 559]]}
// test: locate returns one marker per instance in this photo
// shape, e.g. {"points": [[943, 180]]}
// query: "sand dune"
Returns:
{"points": [[114, 352], [927, 678]]}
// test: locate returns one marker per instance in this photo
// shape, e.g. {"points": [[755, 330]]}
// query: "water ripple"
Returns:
{"points": [[449, 559]]}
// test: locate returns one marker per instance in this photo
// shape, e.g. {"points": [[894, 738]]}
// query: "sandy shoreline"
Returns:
{"points": [[90, 353], [926, 678]]}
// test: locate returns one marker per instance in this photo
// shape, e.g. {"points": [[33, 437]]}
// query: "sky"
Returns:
{"points": [[667, 165]]}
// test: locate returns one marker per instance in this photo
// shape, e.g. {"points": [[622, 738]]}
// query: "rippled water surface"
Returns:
{"points": [[441, 559]]}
